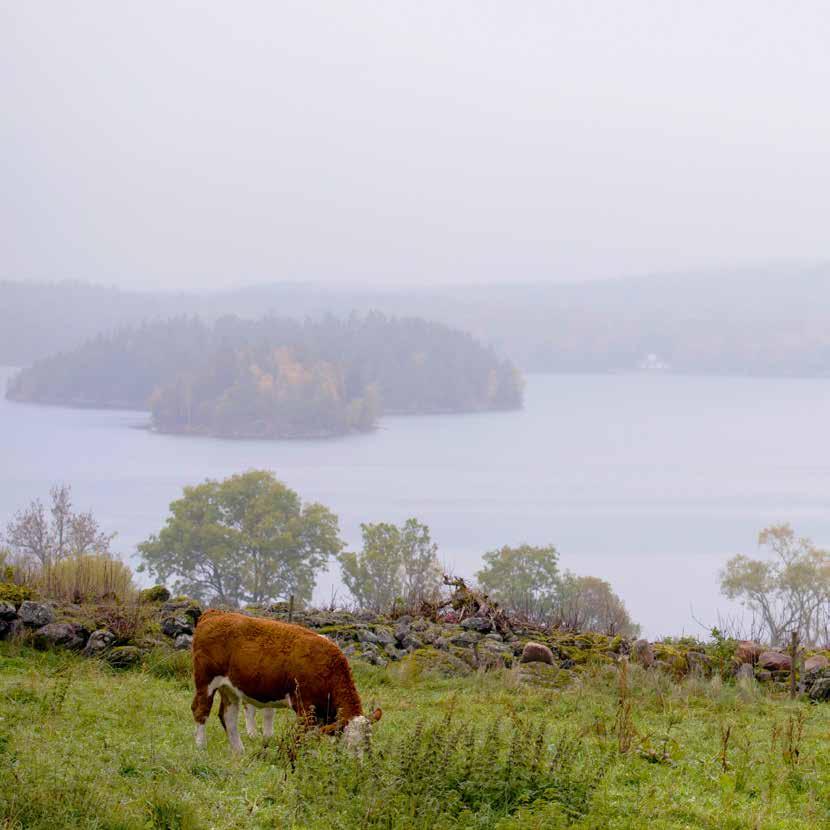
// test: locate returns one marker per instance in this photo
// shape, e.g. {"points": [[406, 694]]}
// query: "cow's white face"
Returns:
{"points": [[357, 734]]}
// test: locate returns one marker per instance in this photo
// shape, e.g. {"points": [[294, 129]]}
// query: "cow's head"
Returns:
{"points": [[358, 732]]}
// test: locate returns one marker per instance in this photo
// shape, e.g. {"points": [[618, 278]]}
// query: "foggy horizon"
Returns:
{"points": [[196, 147]]}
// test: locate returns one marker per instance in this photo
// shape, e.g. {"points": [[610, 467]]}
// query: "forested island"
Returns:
{"points": [[276, 377]]}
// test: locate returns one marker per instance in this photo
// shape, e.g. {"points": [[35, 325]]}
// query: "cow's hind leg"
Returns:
{"points": [[250, 720], [268, 723], [202, 703], [229, 715]]}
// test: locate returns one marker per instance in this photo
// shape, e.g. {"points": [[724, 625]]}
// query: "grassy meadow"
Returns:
{"points": [[83, 745]]}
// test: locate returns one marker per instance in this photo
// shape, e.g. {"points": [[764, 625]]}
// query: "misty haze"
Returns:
{"points": [[491, 342]]}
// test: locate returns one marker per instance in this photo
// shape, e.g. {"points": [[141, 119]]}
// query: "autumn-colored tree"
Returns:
{"points": [[787, 590], [587, 603]]}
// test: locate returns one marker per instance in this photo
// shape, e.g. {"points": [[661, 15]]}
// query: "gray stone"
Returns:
{"points": [[402, 629], [467, 639], [66, 635], [394, 653], [480, 624], [420, 624], [384, 637], [745, 673], [99, 641], [173, 626], [411, 643], [366, 636], [123, 657], [183, 642], [495, 636], [35, 614], [7, 611]]}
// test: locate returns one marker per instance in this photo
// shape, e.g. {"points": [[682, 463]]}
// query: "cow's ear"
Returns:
{"points": [[376, 715]]}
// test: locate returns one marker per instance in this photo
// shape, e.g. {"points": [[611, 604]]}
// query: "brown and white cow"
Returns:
{"points": [[266, 664]]}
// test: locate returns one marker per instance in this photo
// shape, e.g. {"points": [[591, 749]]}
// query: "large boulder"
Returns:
{"points": [[774, 661], [183, 642], [537, 653], [66, 635], [99, 641], [642, 652], [815, 664], [7, 611], [183, 607], [494, 655], [35, 614], [748, 651], [480, 624]]}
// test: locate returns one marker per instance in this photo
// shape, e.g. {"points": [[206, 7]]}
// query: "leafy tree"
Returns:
{"points": [[524, 580], [247, 538], [395, 563], [47, 535], [789, 590], [587, 603]]}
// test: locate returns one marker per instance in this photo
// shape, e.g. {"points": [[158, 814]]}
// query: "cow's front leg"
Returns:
{"points": [[250, 720], [202, 702]]}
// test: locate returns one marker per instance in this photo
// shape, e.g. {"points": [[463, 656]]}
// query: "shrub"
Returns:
{"points": [[158, 593], [15, 594], [88, 578]]}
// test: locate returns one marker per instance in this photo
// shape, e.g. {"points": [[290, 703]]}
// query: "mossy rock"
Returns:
{"points": [[432, 661], [158, 593], [673, 657], [542, 675], [15, 594], [124, 657]]}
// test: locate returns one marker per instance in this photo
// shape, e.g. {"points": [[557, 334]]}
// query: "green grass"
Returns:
{"points": [[84, 746]]}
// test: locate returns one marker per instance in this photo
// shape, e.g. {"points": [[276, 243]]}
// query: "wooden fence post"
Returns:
{"points": [[291, 608], [793, 656]]}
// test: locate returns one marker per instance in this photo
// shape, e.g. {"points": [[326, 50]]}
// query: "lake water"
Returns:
{"points": [[648, 480]]}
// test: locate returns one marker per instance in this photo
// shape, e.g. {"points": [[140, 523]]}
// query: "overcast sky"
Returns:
{"points": [[212, 143]]}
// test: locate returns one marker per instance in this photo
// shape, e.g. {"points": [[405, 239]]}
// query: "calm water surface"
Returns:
{"points": [[648, 480]]}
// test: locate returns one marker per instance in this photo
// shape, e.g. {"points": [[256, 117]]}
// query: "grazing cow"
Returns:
{"points": [[266, 664]]}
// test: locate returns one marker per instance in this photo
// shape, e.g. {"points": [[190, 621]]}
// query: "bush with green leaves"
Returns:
{"points": [[246, 539], [396, 564], [524, 580]]}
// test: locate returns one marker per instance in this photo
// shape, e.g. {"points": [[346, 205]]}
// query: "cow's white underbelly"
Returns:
{"points": [[220, 681]]}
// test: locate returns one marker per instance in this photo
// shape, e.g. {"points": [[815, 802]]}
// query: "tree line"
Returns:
{"points": [[276, 377], [251, 540]]}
